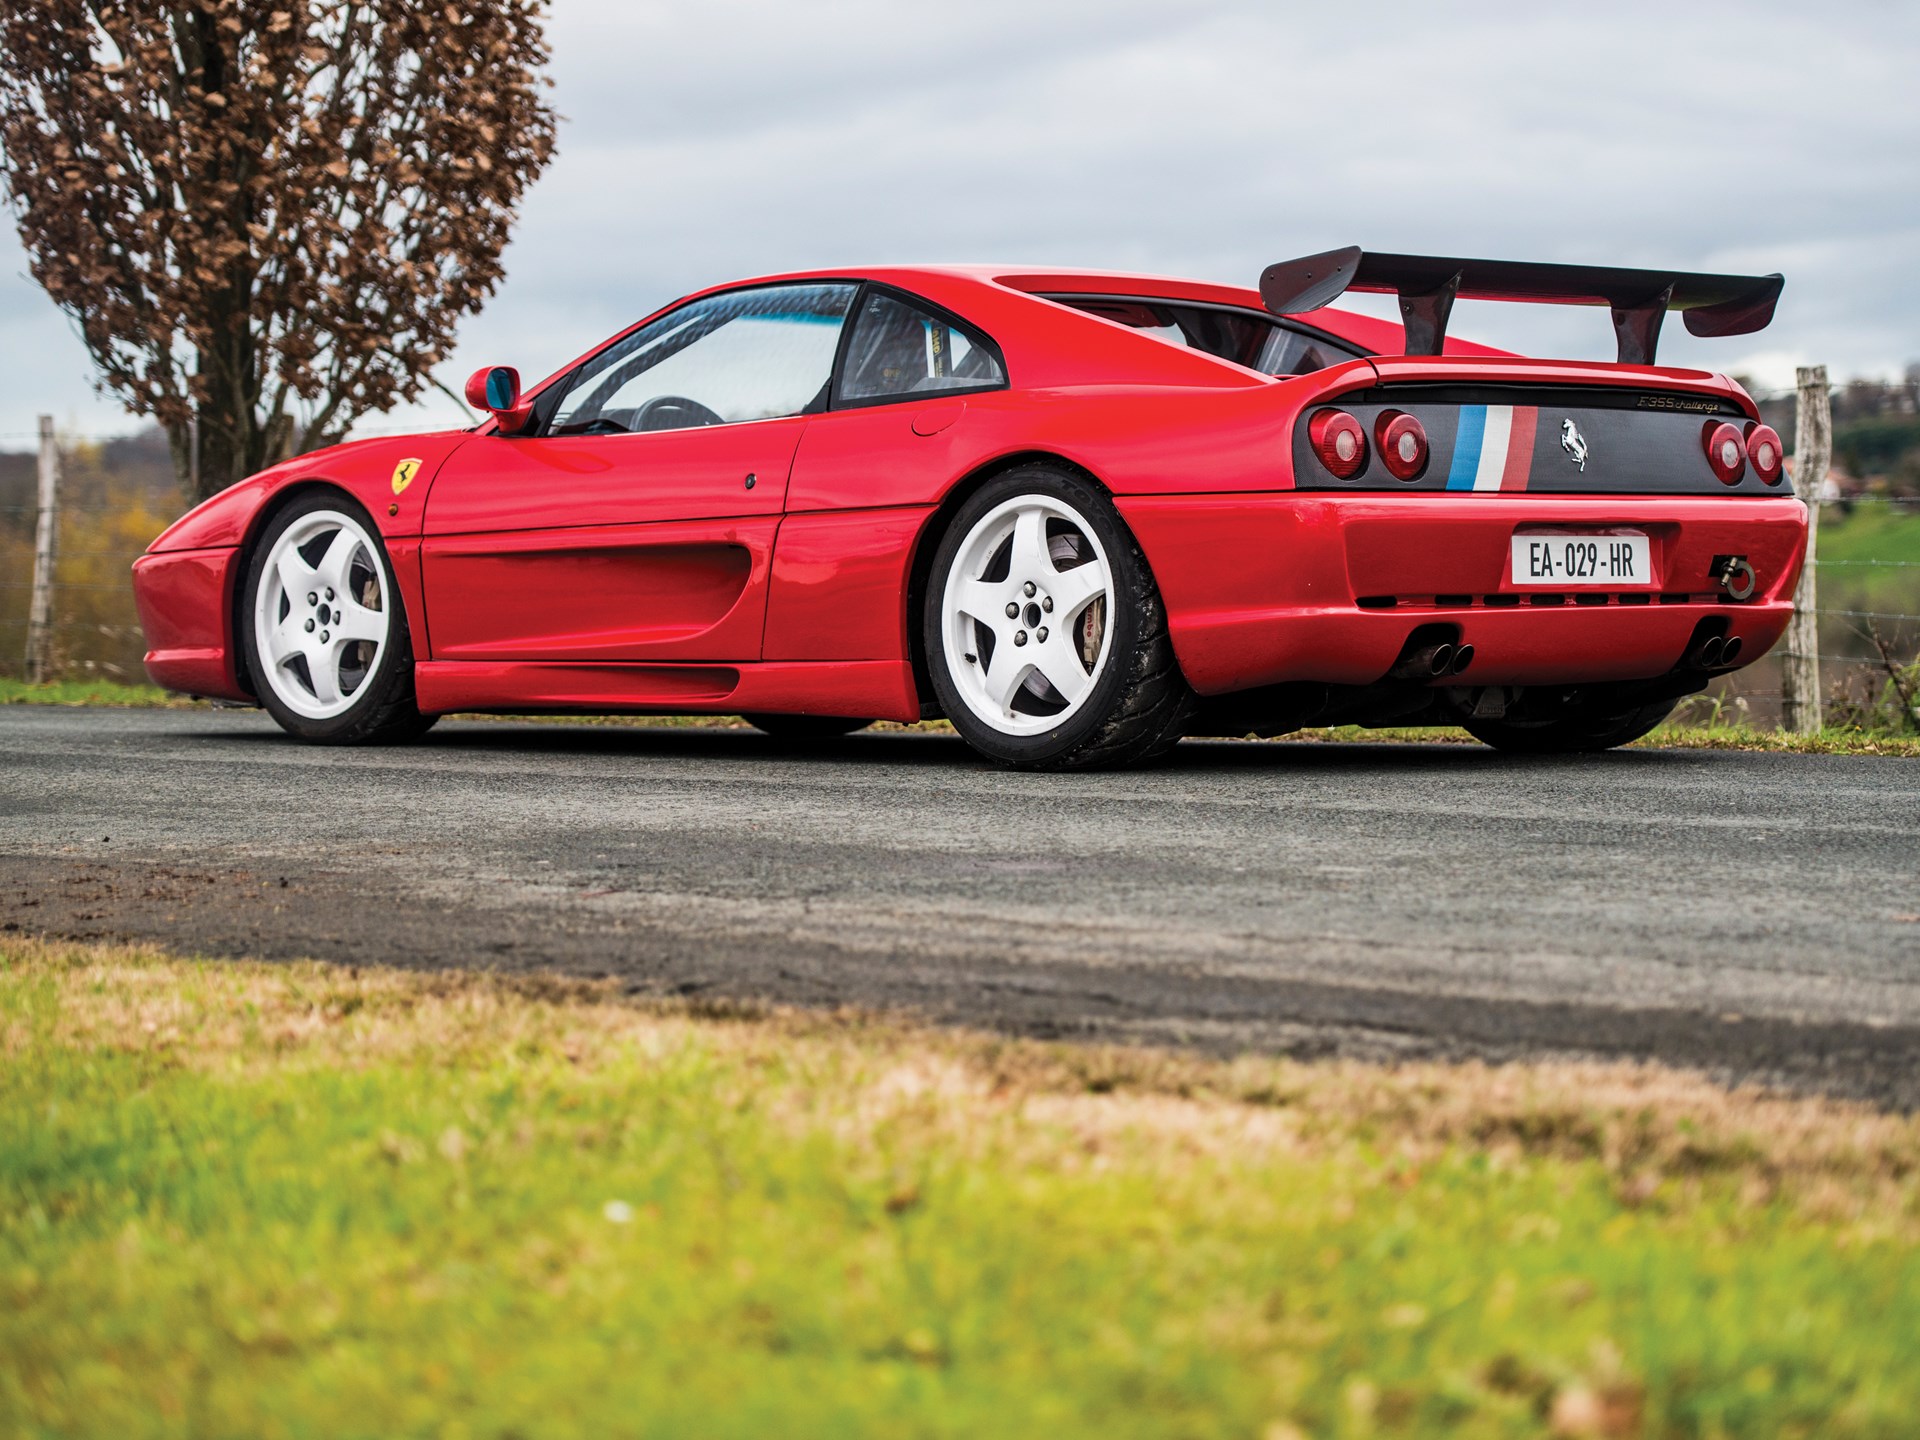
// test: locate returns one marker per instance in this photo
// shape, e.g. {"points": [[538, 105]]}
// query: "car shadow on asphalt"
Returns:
{"points": [[948, 752]]}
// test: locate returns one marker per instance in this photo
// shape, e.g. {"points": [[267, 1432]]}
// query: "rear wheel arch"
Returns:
{"points": [[1022, 680]]}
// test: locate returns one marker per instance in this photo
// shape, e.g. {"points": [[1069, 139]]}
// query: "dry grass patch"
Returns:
{"points": [[856, 1072]]}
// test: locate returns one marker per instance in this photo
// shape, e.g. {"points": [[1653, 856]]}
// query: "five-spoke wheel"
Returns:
{"points": [[1024, 614], [1045, 635], [320, 620], [329, 654]]}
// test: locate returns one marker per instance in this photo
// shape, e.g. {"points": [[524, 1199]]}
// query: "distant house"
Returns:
{"points": [[1839, 487]]}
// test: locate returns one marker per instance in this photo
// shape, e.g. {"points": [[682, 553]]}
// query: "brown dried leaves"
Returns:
{"points": [[236, 205]]}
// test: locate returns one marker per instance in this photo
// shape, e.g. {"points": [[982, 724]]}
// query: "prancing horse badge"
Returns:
{"points": [[1571, 441], [404, 472]]}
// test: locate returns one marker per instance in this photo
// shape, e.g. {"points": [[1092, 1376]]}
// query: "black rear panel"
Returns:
{"points": [[1540, 440]]}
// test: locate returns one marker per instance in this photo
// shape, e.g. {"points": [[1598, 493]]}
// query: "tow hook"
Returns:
{"points": [[1734, 574]]}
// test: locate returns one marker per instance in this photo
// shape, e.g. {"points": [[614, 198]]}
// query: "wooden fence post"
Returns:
{"points": [[1812, 452], [40, 617]]}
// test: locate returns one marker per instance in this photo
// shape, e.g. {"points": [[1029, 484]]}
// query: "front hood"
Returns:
{"points": [[364, 469]]}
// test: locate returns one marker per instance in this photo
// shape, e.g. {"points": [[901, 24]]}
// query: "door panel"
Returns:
{"points": [[607, 547], [500, 484]]}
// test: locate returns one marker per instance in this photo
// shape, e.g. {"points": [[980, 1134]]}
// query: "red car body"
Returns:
{"points": [[643, 572]]}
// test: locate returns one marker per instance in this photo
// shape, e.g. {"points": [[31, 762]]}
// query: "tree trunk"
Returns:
{"points": [[231, 445]]}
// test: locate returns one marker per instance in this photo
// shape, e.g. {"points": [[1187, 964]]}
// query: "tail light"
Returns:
{"points": [[1763, 449], [1402, 442], [1339, 441], [1726, 452]]}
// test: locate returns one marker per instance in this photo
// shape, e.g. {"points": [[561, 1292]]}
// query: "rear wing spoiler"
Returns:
{"points": [[1428, 285]]}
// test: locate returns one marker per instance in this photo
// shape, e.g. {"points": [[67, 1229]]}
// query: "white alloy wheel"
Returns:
{"points": [[1024, 615], [322, 614]]}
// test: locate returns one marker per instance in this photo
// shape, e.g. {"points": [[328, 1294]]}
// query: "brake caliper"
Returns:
{"points": [[1093, 624]]}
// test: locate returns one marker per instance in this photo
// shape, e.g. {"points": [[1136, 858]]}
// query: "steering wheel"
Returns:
{"points": [[673, 412]]}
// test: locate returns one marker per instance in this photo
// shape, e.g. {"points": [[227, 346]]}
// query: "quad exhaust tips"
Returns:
{"points": [[1432, 662]]}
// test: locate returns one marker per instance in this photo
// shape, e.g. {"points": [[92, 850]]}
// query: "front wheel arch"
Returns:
{"points": [[257, 528], [390, 714]]}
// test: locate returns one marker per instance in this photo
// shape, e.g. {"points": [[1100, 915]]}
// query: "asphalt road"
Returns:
{"points": [[1757, 916]]}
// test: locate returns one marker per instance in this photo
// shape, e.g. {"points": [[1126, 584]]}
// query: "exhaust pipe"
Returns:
{"points": [[1462, 658], [1708, 654], [1730, 651], [1429, 662]]}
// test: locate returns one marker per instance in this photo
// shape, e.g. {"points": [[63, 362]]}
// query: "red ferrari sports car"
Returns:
{"points": [[1080, 515]]}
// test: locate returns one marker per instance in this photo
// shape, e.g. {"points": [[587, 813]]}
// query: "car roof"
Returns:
{"points": [[1370, 333], [1051, 340]]}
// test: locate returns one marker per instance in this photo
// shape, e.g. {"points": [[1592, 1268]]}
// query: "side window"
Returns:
{"points": [[1294, 352], [899, 349], [1240, 336], [745, 355]]}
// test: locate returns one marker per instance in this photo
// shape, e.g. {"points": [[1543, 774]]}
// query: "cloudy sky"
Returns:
{"points": [[712, 139]]}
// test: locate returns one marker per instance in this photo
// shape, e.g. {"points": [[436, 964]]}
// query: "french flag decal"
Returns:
{"points": [[1493, 448]]}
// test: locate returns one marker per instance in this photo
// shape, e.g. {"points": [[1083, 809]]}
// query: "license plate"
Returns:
{"points": [[1562, 560]]}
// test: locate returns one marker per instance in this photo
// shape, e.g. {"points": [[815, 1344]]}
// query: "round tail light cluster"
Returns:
{"points": [[1764, 451], [1339, 441], [1402, 442], [1726, 451]]}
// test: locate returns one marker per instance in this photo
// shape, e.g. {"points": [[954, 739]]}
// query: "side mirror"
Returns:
{"points": [[496, 388]]}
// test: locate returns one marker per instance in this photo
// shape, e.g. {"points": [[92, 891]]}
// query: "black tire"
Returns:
{"points": [[1574, 735], [806, 727], [1140, 701], [383, 710]]}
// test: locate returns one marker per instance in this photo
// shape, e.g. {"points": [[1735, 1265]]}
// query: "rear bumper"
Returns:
{"points": [[185, 599], [1266, 589]]}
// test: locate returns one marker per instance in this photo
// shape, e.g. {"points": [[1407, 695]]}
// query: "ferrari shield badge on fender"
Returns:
{"points": [[1571, 441], [403, 474]]}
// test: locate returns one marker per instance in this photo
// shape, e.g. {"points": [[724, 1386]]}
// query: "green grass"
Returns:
{"points": [[1834, 740], [90, 692], [249, 1200], [1870, 530], [1868, 558]]}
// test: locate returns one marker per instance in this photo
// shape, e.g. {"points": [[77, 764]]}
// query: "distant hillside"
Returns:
{"points": [[1876, 430]]}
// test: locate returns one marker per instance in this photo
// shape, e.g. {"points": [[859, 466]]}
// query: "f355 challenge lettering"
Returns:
{"points": [[1680, 403]]}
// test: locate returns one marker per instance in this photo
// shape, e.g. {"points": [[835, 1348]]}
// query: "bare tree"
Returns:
{"points": [[269, 213]]}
